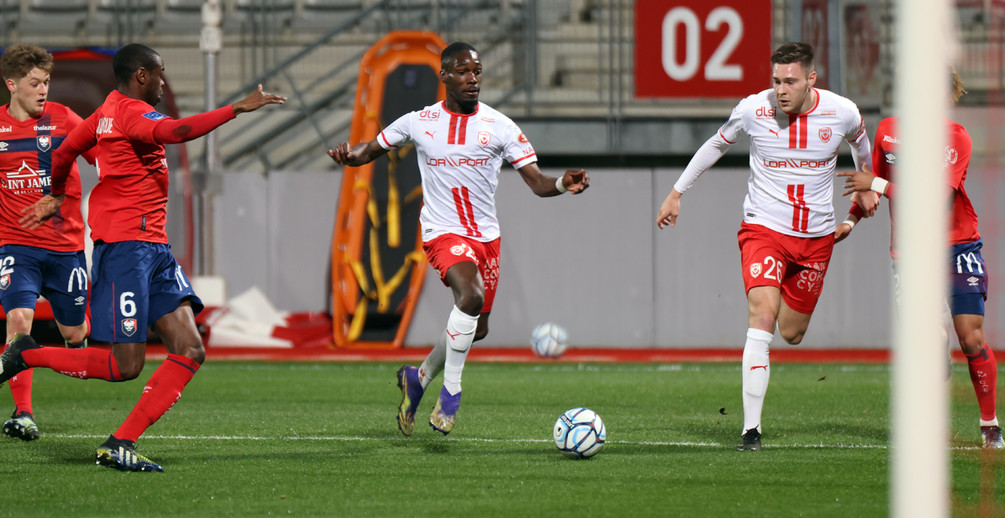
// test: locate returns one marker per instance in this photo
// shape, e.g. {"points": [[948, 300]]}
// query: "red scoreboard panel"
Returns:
{"points": [[702, 48]]}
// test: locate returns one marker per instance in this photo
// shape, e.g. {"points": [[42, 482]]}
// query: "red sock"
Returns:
{"points": [[88, 363], [159, 395], [20, 388], [984, 376]]}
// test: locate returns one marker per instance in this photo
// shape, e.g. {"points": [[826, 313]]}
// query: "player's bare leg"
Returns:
{"points": [[185, 354], [75, 337], [762, 309], [983, 375], [21, 424], [792, 324], [469, 295]]}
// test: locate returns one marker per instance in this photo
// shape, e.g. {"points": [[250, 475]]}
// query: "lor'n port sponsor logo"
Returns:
{"points": [[461, 161], [795, 164]]}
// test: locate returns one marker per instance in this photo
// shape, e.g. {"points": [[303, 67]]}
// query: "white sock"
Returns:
{"points": [[993, 422], [460, 334], [756, 371], [433, 363]]}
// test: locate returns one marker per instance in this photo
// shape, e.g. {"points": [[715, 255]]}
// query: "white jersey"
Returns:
{"points": [[793, 159], [460, 157]]}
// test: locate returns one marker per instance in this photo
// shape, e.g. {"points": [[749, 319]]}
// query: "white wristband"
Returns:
{"points": [[850, 222], [879, 185], [560, 186]]}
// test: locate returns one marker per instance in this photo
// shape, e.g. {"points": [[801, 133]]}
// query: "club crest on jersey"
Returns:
{"points": [[43, 142], [4, 281], [522, 138], [825, 134], [155, 116], [129, 326], [755, 270], [951, 156], [463, 249], [484, 138]]}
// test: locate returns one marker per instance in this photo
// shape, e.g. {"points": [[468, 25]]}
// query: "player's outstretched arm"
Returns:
{"points": [[574, 181], [33, 216], [256, 100], [669, 210], [362, 153], [863, 181]]}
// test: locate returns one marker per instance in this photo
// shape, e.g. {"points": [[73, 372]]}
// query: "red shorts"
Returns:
{"points": [[795, 265], [449, 249]]}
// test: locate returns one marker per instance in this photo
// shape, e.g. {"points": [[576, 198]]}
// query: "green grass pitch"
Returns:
{"points": [[303, 439]]}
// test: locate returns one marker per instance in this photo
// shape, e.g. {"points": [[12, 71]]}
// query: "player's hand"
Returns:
{"points": [[857, 180], [256, 100], [867, 201], [576, 181], [669, 210], [33, 216], [342, 154], [842, 231]]}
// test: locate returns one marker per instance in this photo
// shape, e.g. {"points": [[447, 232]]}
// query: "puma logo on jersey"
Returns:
{"points": [[773, 132], [430, 133]]}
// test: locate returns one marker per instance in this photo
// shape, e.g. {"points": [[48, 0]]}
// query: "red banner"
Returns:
{"points": [[702, 48]]}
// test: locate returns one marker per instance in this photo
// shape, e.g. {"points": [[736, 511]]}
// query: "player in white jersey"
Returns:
{"points": [[460, 144], [787, 234]]}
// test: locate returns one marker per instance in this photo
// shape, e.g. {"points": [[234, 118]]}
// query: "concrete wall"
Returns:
{"points": [[274, 232], [595, 263]]}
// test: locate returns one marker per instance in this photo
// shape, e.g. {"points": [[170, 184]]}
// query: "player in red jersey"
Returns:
{"points": [[966, 265], [787, 234], [461, 145], [136, 281], [49, 260]]}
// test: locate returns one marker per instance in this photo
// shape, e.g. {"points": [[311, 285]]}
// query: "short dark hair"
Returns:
{"points": [[131, 58], [794, 52], [956, 89], [18, 60], [447, 56]]}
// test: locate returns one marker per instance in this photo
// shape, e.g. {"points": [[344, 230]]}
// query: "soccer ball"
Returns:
{"points": [[549, 340], [579, 433]]}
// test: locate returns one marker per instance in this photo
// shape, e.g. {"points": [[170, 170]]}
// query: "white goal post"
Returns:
{"points": [[920, 417]]}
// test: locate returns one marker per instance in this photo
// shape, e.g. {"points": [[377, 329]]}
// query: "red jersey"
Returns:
{"points": [[130, 201], [26, 150], [963, 223]]}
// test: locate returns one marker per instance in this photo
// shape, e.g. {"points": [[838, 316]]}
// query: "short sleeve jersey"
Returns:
{"points": [[460, 157], [793, 160], [130, 201], [26, 149], [963, 225]]}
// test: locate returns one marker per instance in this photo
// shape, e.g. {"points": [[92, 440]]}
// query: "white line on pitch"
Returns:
{"points": [[341, 438]]}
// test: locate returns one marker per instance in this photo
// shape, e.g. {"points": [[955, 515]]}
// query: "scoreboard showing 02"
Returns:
{"points": [[701, 48]]}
